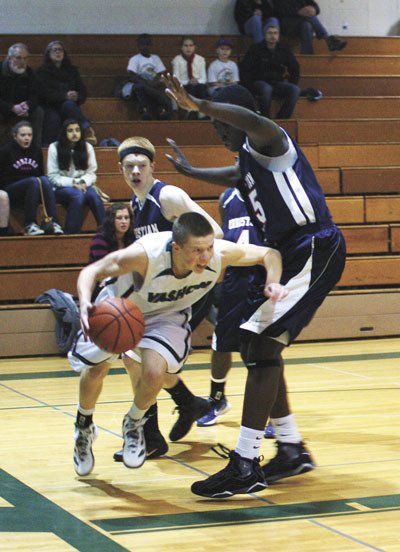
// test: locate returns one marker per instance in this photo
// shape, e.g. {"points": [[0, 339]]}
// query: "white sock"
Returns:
{"points": [[286, 429], [136, 413], [85, 411], [249, 442]]}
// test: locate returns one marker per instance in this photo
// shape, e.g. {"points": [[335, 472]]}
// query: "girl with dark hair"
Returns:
{"points": [[63, 91], [71, 167], [21, 168], [116, 232]]}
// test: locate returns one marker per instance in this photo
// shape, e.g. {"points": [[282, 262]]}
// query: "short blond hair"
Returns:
{"points": [[139, 142]]}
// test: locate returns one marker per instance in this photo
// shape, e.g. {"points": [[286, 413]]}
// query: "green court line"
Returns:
{"points": [[206, 366], [33, 513], [247, 515]]}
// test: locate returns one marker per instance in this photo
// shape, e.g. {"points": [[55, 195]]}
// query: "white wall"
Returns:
{"points": [[352, 17]]}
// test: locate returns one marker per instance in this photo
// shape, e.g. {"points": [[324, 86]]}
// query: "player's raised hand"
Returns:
{"points": [[180, 162], [276, 292], [176, 92]]}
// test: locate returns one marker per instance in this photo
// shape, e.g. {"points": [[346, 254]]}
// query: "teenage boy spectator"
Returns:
{"points": [[222, 71], [251, 15], [19, 92], [270, 69], [145, 70], [299, 18], [190, 69]]}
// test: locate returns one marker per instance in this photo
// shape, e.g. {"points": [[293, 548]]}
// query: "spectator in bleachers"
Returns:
{"points": [[223, 71], [300, 18], [251, 15], [190, 69], [145, 70], [270, 69], [116, 232], [4, 213], [21, 169], [19, 93], [63, 93], [71, 167]]}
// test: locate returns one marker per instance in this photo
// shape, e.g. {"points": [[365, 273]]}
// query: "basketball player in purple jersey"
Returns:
{"points": [[288, 207]]}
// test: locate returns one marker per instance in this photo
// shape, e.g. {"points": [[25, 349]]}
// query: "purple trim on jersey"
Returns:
{"points": [[280, 203], [148, 218]]}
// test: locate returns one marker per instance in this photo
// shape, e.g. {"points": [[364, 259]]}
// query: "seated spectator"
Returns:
{"points": [[190, 69], [71, 167], [63, 93], [251, 15], [4, 213], [116, 232], [145, 70], [19, 92], [21, 169], [270, 69], [222, 71], [299, 18]]}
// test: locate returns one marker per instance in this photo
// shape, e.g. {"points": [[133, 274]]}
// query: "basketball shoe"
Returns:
{"points": [[269, 432], [156, 445], [216, 409], [240, 476], [83, 455], [134, 450], [291, 459], [188, 413]]}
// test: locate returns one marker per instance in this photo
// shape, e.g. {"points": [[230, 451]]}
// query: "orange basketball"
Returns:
{"points": [[116, 325]]}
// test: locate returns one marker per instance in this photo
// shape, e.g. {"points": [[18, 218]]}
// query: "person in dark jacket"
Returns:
{"points": [[21, 169], [251, 15], [299, 18], [271, 69], [63, 93], [19, 92]]}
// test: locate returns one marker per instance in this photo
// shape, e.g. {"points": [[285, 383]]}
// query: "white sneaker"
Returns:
{"points": [[83, 455], [57, 228], [33, 229], [134, 451]]}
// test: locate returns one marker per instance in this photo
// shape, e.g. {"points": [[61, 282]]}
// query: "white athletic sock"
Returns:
{"points": [[286, 429], [249, 442], [136, 413], [85, 411]]}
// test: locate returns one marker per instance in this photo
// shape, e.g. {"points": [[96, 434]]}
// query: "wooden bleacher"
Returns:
{"points": [[351, 138]]}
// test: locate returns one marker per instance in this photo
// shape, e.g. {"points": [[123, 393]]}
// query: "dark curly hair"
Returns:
{"points": [[235, 94]]}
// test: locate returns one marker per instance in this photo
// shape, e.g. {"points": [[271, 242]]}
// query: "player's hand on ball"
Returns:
{"points": [[85, 309], [176, 92], [275, 292]]}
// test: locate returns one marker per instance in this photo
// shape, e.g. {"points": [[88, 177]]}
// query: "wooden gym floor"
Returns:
{"points": [[346, 399]]}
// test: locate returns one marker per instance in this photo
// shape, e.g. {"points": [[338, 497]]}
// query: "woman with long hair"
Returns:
{"points": [[116, 232], [21, 169], [71, 167], [64, 93]]}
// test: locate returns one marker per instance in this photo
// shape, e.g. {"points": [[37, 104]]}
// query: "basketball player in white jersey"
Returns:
{"points": [[164, 274]]}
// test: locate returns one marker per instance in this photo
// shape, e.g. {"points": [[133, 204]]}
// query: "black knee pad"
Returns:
{"points": [[262, 352]]}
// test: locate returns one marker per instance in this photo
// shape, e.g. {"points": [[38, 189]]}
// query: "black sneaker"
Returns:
{"points": [[335, 44], [188, 414], [156, 445], [291, 459], [241, 476]]}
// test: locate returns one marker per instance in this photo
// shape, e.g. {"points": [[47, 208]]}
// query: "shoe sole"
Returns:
{"points": [[130, 466], [86, 473], [255, 488], [214, 421], [303, 468]]}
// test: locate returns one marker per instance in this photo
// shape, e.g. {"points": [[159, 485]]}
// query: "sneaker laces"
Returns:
{"points": [[222, 451], [83, 443]]}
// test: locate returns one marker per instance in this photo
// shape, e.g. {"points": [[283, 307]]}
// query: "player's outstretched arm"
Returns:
{"points": [[223, 176], [265, 136], [249, 255]]}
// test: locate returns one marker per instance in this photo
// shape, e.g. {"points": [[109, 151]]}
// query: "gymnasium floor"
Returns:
{"points": [[346, 399]]}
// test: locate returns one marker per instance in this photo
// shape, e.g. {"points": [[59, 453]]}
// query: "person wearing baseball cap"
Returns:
{"points": [[222, 71]]}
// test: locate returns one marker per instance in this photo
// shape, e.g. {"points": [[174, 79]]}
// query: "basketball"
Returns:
{"points": [[116, 325]]}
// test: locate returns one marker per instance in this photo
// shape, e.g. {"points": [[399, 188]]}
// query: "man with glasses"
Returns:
{"points": [[19, 93]]}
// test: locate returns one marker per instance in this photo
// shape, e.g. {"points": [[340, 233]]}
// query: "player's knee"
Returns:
{"points": [[153, 377], [262, 353], [97, 372]]}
